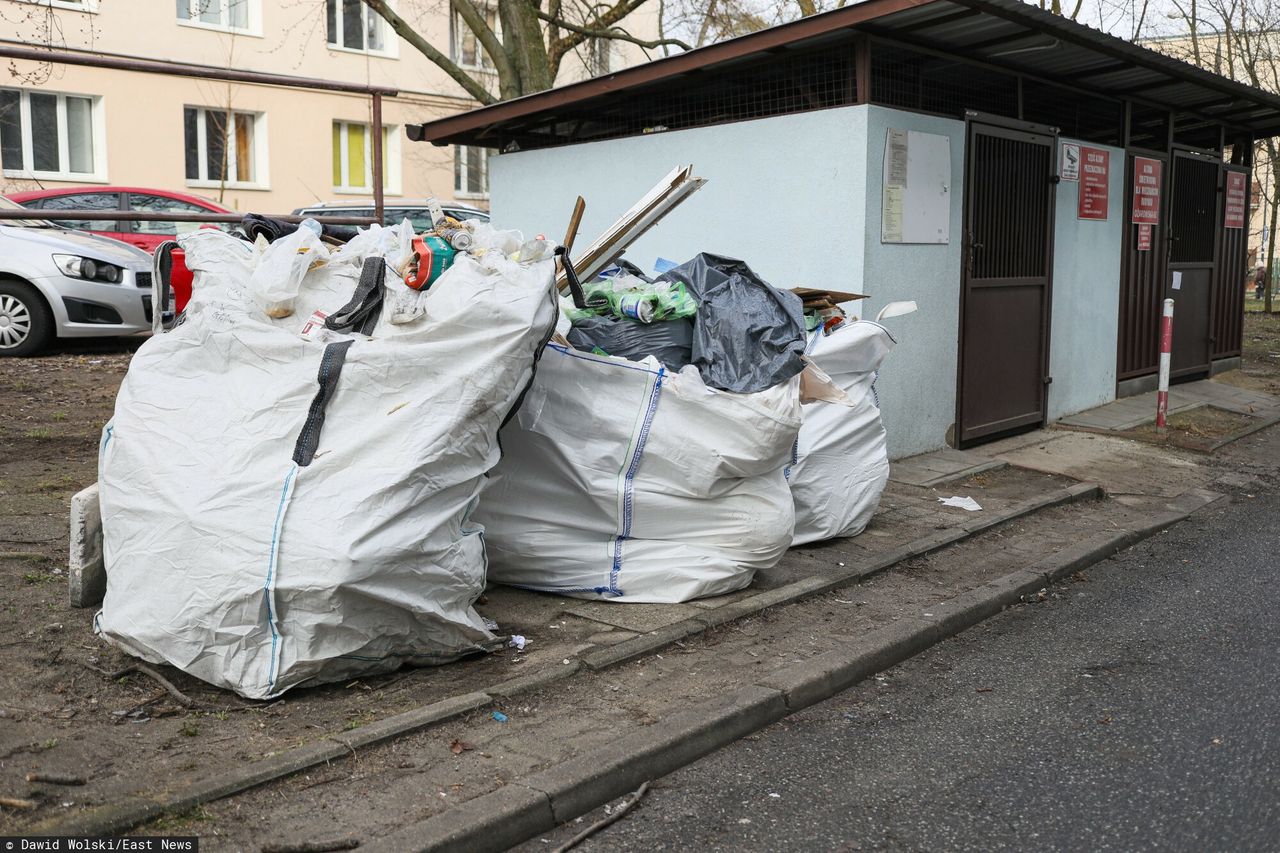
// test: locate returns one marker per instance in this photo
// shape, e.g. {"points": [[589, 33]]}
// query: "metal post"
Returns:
{"points": [[1166, 351], [377, 158]]}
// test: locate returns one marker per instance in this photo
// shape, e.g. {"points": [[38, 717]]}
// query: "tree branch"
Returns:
{"points": [[616, 33], [406, 32]]}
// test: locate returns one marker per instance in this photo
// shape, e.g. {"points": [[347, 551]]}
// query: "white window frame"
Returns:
{"points": [[391, 51], [99, 129], [89, 6], [261, 178], [469, 193], [484, 62], [254, 15], [390, 160]]}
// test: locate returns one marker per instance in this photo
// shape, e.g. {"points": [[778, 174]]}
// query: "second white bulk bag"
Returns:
{"points": [[622, 480], [841, 459]]}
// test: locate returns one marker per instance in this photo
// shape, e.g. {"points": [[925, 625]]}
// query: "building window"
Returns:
{"points": [[70, 5], [470, 171], [222, 146], [599, 54], [465, 47], [353, 158], [355, 26], [220, 14], [50, 135]]}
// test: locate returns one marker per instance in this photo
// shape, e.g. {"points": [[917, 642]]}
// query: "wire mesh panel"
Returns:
{"points": [[1089, 117], [790, 83], [901, 77]]}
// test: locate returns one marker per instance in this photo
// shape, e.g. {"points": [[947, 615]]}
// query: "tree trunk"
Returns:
{"points": [[523, 39]]}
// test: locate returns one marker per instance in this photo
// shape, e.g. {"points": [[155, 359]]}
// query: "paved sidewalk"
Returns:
{"points": [[1129, 412]]}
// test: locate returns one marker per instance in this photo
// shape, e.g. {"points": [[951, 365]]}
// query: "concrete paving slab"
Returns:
{"points": [[940, 466]]}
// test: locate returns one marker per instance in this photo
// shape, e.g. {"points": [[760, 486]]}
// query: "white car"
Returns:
{"points": [[67, 284]]}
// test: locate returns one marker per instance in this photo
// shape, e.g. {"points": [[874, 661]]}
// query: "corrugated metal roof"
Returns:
{"points": [[1008, 35]]}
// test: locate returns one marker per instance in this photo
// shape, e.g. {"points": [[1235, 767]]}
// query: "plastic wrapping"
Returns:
{"points": [[669, 341], [748, 335], [275, 514], [624, 481], [841, 461]]}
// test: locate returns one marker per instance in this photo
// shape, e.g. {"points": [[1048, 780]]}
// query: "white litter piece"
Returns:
{"points": [[965, 503], [623, 481], [517, 642], [841, 460], [232, 555]]}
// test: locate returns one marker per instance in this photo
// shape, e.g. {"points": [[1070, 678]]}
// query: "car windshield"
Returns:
{"points": [[5, 204]]}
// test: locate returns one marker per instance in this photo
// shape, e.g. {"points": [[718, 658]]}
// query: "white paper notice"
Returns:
{"points": [[1177, 281]]}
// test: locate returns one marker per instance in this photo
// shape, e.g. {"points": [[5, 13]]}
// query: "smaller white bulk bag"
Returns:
{"points": [[841, 459], [621, 480], [281, 510]]}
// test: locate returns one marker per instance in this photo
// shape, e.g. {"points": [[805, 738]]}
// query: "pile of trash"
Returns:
{"points": [[647, 464], [313, 474], [288, 479]]}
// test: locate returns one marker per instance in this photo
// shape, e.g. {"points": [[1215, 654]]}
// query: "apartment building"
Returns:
{"points": [[251, 147]]}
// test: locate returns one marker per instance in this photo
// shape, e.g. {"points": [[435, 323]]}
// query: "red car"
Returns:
{"points": [[144, 235]]}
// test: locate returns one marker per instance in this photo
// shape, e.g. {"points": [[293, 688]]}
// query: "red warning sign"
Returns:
{"points": [[1144, 238], [1146, 190], [1233, 217], [1095, 174]]}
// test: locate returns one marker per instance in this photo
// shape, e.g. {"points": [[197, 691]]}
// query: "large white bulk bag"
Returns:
{"points": [[622, 480], [841, 460], [232, 555]]}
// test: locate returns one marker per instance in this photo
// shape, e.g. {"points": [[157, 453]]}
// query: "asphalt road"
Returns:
{"points": [[1139, 709]]}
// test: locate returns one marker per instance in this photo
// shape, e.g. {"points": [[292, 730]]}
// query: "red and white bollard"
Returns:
{"points": [[1166, 351]]}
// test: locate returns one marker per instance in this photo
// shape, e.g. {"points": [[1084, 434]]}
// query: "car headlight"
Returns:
{"points": [[78, 267]]}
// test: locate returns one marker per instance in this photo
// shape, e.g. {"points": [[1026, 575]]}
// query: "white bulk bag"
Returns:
{"points": [[621, 480], [229, 558], [841, 461]]}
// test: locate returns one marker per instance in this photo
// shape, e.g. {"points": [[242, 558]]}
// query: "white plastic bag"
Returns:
{"points": [[277, 275], [624, 481], [233, 560], [841, 459]]}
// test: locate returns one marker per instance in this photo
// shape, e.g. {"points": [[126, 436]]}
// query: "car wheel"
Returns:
{"points": [[26, 323]]}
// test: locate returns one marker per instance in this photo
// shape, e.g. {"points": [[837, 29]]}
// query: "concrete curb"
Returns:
{"points": [[122, 815], [497, 821]]}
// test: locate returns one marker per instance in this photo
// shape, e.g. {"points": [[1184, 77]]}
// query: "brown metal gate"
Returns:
{"points": [[1195, 217], [1005, 288], [1229, 286], [1142, 280]]}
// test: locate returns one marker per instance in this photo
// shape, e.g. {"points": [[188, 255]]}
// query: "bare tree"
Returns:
{"points": [[1239, 39], [527, 43]]}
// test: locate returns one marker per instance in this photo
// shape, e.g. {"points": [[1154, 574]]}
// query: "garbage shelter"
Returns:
{"points": [[1037, 186]]}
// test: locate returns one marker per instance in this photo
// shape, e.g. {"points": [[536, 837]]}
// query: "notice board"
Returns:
{"points": [[1095, 176], [1233, 210], [915, 204], [1146, 190]]}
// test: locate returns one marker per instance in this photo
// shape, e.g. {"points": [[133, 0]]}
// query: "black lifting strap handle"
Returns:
{"points": [[335, 355], [362, 312]]}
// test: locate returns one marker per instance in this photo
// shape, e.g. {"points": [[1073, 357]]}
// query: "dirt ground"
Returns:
{"points": [[1261, 368]]}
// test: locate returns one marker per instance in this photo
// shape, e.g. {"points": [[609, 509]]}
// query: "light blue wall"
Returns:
{"points": [[783, 194], [917, 386], [798, 197], [1086, 297]]}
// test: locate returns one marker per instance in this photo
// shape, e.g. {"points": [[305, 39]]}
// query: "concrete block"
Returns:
{"points": [[87, 576], [598, 776], [493, 822], [822, 677]]}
